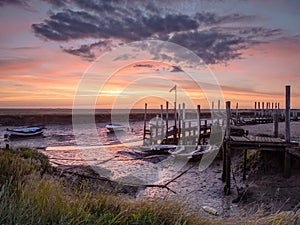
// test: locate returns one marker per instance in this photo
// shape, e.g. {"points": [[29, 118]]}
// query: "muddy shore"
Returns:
{"points": [[264, 189]]}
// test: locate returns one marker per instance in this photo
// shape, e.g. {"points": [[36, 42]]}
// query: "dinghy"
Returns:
{"points": [[113, 127], [191, 153], [24, 132]]}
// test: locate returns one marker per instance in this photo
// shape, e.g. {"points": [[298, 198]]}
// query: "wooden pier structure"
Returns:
{"points": [[247, 143], [182, 131]]}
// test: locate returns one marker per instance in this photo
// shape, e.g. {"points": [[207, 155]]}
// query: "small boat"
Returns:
{"points": [[113, 127], [160, 149], [191, 152], [24, 132]]}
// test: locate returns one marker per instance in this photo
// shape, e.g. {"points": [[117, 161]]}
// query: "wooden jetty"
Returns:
{"points": [[245, 143], [182, 131]]}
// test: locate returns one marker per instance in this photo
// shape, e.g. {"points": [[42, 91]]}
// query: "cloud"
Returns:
{"points": [[85, 51], [56, 3], [209, 35], [13, 2], [146, 65]]}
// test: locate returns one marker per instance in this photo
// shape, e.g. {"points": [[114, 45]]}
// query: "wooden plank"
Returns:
{"points": [[237, 138], [264, 139], [295, 151]]}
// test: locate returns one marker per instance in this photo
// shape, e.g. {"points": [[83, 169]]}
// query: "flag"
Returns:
{"points": [[173, 88]]}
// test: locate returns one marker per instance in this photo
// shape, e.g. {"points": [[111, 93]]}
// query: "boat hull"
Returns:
{"points": [[115, 127], [23, 132], [191, 153]]}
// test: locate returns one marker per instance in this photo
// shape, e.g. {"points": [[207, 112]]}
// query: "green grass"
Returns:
{"points": [[29, 194]]}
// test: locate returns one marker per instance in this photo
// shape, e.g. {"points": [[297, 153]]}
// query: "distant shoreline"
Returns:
{"points": [[24, 117], [48, 116]]}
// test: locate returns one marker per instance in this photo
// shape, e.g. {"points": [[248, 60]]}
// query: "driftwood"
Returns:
{"points": [[87, 176]]}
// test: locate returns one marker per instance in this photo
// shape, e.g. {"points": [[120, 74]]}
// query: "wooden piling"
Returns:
{"points": [[275, 123], [156, 129], [167, 116], [161, 112], [199, 125], [228, 150], [184, 141], [204, 132], [224, 162], [288, 114], [145, 119], [179, 118], [237, 112], [287, 158]]}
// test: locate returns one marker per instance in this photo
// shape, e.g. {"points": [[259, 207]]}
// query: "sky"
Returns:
{"points": [[249, 49]]}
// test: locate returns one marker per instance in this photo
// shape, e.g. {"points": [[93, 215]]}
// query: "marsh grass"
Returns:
{"points": [[29, 196]]}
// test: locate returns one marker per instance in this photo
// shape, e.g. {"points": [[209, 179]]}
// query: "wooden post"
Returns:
{"points": [[255, 106], [228, 150], [183, 125], [190, 133], [167, 117], [204, 131], [183, 111], [175, 114], [156, 129], [237, 112], [224, 161], [288, 114], [162, 125], [275, 123], [199, 125], [145, 119], [6, 146], [245, 164], [179, 118], [287, 158]]}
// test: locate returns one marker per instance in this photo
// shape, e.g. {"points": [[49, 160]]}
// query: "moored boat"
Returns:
{"points": [[113, 127], [161, 149], [24, 131]]}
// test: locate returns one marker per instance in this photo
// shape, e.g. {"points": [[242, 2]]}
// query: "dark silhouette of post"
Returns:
{"points": [[275, 123], [167, 117], [145, 119], [199, 125], [228, 150], [287, 158]]}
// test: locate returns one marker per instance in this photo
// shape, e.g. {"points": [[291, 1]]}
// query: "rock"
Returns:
{"points": [[210, 210]]}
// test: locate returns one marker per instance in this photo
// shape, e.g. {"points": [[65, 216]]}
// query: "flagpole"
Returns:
{"points": [[175, 107], [175, 95]]}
